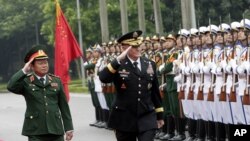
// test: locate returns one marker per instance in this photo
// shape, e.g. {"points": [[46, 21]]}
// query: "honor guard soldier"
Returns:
{"points": [[180, 77], [89, 67], [104, 110], [47, 115], [170, 98], [243, 68], [137, 110], [236, 103]]}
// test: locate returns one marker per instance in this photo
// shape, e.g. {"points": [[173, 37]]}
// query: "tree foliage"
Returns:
{"points": [[19, 19]]}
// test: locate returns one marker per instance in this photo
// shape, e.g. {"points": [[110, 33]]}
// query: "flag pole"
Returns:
{"points": [[80, 41]]}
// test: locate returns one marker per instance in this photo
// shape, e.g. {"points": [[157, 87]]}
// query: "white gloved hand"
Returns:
{"points": [[161, 67], [195, 69], [219, 70], [229, 69], [187, 70], [240, 69], [206, 70], [177, 78], [123, 54]]}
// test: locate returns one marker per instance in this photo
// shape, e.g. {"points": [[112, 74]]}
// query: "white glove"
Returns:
{"points": [[219, 70], [195, 69], [240, 69], [229, 69], [177, 78], [187, 70], [161, 67], [123, 54], [206, 70]]}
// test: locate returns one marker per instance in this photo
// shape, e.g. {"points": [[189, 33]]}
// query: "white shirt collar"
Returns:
{"points": [[138, 61], [38, 77]]}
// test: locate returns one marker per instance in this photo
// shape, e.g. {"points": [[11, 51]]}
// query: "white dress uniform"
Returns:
{"points": [[207, 114], [228, 67], [98, 85], [237, 107], [186, 70], [217, 70], [196, 70]]}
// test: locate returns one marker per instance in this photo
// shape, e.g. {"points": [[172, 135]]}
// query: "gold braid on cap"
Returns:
{"points": [[132, 42]]}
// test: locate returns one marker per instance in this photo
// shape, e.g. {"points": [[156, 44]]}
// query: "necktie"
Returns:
{"points": [[42, 80], [136, 67]]}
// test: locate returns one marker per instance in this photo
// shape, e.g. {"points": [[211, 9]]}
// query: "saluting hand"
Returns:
{"points": [[27, 67], [123, 54]]}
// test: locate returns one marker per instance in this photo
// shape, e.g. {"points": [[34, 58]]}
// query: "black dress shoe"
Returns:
{"points": [[199, 139], [190, 139], [167, 136], [178, 137], [161, 134]]}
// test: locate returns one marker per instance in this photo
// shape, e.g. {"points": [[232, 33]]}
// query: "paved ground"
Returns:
{"points": [[12, 108]]}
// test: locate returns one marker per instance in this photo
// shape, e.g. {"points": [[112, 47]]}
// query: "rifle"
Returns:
{"points": [[246, 100], [223, 95], [200, 95], [210, 96], [181, 94], [191, 92], [232, 95], [162, 76]]}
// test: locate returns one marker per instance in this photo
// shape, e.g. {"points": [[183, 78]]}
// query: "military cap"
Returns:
{"points": [[193, 31], [104, 44], [224, 28], [235, 26], [163, 39], [245, 23], [131, 38], [155, 38], [147, 39], [97, 48], [37, 52], [183, 32], [89, 50], [213, 29], [171, 36], [202, 29]]}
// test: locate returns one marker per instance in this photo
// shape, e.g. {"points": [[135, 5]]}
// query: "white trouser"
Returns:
{"points": [[102, 100]]}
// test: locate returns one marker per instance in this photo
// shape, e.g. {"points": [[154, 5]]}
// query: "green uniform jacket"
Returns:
{"points": [[168, 68], [46, 104]]}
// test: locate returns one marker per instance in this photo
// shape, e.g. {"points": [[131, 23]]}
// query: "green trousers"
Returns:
{"points": [[48, 137]]}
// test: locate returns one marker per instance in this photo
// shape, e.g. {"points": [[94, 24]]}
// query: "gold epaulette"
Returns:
{"points": [[53, 75]]}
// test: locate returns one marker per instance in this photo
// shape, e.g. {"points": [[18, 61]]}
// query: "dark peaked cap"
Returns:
{"points": [[131, 38], [36, 52]]}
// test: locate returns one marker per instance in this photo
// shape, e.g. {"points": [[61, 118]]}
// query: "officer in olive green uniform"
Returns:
{"points": [[170, 95], [47, 115]]}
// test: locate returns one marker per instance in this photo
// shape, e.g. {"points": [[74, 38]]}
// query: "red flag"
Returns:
{"points": [[66, 48]]}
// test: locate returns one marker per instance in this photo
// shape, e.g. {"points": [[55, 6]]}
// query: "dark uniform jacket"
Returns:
{"points": [[137, 105], [46, 104]]}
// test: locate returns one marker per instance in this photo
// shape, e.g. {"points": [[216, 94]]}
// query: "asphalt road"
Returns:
{"points": [[12, 108]]}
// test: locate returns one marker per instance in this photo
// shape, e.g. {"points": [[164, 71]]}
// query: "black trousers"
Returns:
{"points": [[48, 137], [132, 136]]}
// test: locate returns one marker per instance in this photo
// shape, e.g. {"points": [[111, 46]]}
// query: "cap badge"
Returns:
{"points": [[135, 35]]}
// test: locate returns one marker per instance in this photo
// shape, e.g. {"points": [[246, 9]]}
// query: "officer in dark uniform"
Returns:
{"points": [[47, 115], [137, 109]]}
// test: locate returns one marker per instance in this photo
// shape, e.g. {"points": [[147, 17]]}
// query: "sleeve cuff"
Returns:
{"points": [[113, 66]]}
